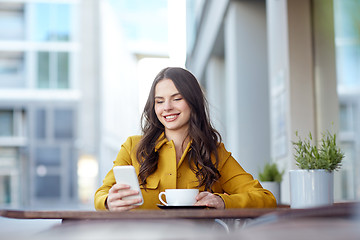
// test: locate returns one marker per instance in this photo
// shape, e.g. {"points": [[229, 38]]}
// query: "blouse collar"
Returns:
{"points": [[162, 140]]}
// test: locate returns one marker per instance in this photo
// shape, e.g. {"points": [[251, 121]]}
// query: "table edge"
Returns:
{"points": [[335, 210], [139, 214]]}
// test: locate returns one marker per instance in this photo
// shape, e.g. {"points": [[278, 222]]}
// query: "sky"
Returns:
{"points": [[155, 27]]}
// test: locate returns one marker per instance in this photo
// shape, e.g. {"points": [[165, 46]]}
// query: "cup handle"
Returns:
{"points": [[160, 198]]}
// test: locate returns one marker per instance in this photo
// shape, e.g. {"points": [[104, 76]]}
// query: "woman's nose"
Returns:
{"points": [[167, 105]]}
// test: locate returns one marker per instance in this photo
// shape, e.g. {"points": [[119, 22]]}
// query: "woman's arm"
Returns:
{"points": [[109, 195], [240, 190]]}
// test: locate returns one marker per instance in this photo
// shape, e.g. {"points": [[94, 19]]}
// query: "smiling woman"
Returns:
{"points": [[179, 148]]}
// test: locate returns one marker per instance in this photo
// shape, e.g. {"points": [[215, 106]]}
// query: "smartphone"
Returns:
{"points": [[127, 175]]}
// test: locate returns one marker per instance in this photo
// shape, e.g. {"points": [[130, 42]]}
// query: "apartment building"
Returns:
{"points": [[39, 99]]}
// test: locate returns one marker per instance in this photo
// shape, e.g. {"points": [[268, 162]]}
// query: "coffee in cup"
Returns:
{"points": [[179, 197]]}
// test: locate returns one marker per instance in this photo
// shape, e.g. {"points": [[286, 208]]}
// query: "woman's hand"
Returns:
{"points": [[115, 201], [209, 200]]}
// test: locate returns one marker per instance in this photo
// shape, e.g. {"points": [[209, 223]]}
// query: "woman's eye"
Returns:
{"points": [[159, 102], [177, 99]]}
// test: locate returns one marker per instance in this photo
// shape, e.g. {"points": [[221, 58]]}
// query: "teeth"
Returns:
{"points": [[170, 117]]}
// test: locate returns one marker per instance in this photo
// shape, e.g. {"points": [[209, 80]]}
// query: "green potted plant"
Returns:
{"points": [[271, 173], [312, 184], [270, 178]]}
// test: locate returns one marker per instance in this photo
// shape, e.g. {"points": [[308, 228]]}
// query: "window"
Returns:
{"points": [[63, 70], [347, 40], [48, 186], [53, 70], [63, 124], [59, 121], [6, 123], [347, 117], [348, 173], [11, 69], [40, 124], [52, 22], [53, 154], [48, 156], [8, 175], [348, 58], [8, 157], [43, 70], [12, 123], [11, 21], [5, 193]]}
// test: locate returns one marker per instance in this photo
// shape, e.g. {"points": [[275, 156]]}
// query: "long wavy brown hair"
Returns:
{"points": [[204, 138]]}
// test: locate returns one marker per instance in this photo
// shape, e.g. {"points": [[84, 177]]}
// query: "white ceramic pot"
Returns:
{"points": [[274, 188], [311, 188]]}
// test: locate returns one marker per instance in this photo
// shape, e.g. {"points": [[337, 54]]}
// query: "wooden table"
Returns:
{"points": [[336, 210], [279, 223], [141, 214]]}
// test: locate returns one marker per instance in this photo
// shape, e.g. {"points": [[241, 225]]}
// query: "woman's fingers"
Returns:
{"points": [[124, 193], [202, 199], [123, 205], [125, 202], [122, 190], [117, 187], [209, 200], [116, 201], [124, 208], [119, 204], [202, 195]]}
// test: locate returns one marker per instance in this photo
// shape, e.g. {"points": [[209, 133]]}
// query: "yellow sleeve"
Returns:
{"points": [[126, 156], [241, 190]]}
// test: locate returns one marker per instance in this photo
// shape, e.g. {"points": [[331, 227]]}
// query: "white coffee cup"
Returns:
{"points": [[179, 197]]}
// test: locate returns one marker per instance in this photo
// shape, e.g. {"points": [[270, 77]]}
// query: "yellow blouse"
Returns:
{"points": [[236, 187]]}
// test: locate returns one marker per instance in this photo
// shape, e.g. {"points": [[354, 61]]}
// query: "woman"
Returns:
{"points": [[180, 149]]}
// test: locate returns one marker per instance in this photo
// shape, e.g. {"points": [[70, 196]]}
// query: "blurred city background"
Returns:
{"points": [[74, 76]]}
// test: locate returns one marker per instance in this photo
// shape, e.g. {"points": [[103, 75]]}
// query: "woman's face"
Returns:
{"points": [[170, 107]]}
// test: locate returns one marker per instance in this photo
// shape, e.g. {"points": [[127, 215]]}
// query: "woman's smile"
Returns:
{"points": [[172, 117]]}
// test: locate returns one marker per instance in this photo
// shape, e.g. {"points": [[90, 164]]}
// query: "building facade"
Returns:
{"points": [[39, 102], [271, 68]]}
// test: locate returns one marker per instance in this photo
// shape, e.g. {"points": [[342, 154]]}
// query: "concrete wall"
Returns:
{"points": [[246, 101]]}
